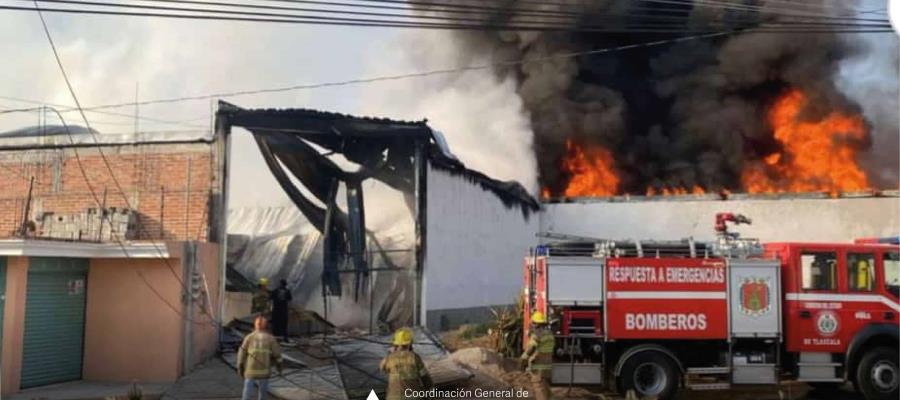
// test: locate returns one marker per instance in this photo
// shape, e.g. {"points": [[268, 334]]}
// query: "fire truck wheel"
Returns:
{"points": [[650, 374], [877, 374]]}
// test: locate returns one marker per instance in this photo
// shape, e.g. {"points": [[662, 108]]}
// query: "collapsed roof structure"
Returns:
{"points": [[321, 160]]}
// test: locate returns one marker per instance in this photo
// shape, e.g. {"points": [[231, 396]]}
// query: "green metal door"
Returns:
{"points": [[54, 321]]}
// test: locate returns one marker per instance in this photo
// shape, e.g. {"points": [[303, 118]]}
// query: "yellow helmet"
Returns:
{"points": [[538, 318], [264, 281], [403, 337]]}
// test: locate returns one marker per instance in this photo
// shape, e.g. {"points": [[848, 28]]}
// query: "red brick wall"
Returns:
{"points": [[168, 185]]}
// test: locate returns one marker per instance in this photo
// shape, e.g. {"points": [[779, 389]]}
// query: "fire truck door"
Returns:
{"points": [[861, 299], [814, 320]]}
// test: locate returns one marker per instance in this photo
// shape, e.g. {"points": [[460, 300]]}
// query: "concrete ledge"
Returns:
{"points": [[50, 248]]}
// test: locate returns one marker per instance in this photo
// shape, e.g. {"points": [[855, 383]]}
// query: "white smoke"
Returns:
{"points": [[480, 114]]}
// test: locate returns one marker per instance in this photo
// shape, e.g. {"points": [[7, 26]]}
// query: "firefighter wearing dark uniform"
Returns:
{"points": [[261, 299], [539, 355], [404, 368], [281, 300]]}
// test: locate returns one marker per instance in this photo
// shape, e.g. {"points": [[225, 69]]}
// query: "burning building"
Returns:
{"points": [[683, 97]]}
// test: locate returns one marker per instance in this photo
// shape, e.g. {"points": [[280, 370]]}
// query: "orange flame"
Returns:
{"points": [[590, 170], [674, 191], [545, 193], [817, 156]]}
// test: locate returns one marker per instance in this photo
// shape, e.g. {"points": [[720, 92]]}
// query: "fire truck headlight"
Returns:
{"points": [[597, 349]]}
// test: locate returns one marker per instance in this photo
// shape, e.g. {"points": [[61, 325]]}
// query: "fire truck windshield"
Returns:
{"points": [[892, 273]]}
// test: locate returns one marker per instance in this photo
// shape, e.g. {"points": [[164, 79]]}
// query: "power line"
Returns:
{"points": [[580, 13], [112, 174], [644, 18], [68, 108], [514, 24], [426, 5], [192, 14], [422, 74], [724, 5]]}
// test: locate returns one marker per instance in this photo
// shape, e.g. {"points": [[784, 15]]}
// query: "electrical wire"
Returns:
{"points": [[684, 3], [724, 5], [208, 13], [162, 256], [66, 108], [422, 74], [643, 18], [231, 15]]}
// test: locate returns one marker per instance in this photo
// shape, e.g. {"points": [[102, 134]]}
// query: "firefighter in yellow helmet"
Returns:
{"points": [[404, 368], [539, 355], [261, 299]]}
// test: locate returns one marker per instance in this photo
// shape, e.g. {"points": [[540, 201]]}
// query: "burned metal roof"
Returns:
{"points": [[363, 139]]}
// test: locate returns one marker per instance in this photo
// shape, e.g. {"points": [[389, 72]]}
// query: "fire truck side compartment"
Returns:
{"points": [[577, 374], [754, 298], [574, 281]]}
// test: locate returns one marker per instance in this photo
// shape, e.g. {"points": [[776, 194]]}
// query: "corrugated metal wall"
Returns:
{"points": [[54, 321], [475, 246]]}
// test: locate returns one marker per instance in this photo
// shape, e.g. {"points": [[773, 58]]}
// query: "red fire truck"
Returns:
{"points": [[655, 316]]}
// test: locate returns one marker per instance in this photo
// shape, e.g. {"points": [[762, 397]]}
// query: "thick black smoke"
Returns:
{"points": [[673, 115]]}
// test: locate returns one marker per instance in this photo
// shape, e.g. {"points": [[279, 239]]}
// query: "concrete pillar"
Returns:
{"points": [[13, 324]]}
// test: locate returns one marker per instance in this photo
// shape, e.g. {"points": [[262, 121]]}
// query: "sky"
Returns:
{"points": [[117, 59], [114, 59]]}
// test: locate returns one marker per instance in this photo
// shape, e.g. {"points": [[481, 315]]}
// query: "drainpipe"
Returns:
{"points": [[188, 267]]}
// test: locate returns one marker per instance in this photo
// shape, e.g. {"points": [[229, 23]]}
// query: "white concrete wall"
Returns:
{"points": [[813, 220], [475, 245]]}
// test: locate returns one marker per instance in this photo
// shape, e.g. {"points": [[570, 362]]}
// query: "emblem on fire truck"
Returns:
{"points": [[755, 296], [827, 323]]}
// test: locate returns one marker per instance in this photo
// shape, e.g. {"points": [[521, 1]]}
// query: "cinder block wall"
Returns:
{"points": [[168, 184]]}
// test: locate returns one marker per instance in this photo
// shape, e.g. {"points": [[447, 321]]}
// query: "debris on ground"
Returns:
{"points": [[344, 365], [467, 336]]}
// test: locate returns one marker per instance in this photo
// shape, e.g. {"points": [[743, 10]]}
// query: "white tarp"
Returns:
{"points": [[278, 243]]}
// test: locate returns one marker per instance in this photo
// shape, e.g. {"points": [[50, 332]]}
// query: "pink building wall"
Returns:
{"points": [[132, 332], [133, 318], [13, 323]]}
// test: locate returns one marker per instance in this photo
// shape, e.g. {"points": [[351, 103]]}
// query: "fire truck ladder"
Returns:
{"points": [[573, 245]]}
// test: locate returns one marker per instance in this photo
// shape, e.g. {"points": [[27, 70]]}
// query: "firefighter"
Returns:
{"points": [[256, 357], [281, 299], [539, 355], [261, 298], [404, 368]]}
